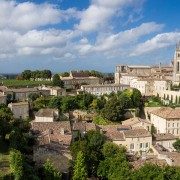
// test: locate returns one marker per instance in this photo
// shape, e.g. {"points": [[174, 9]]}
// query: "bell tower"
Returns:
{"points": [[176, 65]]}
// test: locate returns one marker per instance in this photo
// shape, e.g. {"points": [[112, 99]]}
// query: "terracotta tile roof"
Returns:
{"points": [[114, 127], [135, 120], [47, 112], [167, 113], [164, 136], [81, 126], [115, 135], [136, 133], [22, 90], [55, 126]]}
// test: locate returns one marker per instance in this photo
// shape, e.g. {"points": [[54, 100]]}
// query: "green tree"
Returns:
{"points": [[148, 172], [6, 118], [33, 96], [176, 145], [57, 81], [16, 164], [80, 172], [50, 173], [136, 98], [125, 101], [115, 164], [110, 149], [26, 74], [55, 102], [41, 102], [112, 110], [69, 103]]}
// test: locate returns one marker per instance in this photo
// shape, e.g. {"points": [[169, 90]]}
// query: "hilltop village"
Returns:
{"points": [[81, 124]]}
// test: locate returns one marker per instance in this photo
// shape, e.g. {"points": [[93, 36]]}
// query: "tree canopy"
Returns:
{"points": [[57, 81]]}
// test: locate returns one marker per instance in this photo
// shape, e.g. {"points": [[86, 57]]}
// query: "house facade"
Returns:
{"points": [[77, 78], [166, 120], [103, 88], [20, 110], [47, 115]]}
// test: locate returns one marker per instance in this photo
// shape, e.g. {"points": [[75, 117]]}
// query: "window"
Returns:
{"points": [[178, 67], [173, 125], [132, 146], [146, 145], [141, 145]]}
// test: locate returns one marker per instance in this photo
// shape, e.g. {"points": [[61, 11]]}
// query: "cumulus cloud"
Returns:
{"points": [[27, 16], [101, 11], [159, 41], [126, 37]]}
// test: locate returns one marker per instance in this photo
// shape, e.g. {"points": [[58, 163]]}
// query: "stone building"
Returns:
{"points": [[101, 89], [166, 120], [77, 78], [147, 79], [20, 110], [54, 91], [135, 140], [176, 65], [46, 115], [165, 139]]}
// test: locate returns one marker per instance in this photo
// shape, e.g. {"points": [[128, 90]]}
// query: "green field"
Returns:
{"points": [[23, 83]]}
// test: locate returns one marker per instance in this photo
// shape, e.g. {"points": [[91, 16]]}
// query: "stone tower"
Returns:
{"points": [[176, 65], [118, 70]]}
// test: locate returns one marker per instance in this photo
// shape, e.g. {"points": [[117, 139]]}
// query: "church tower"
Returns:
{"points": [[176, 65]]}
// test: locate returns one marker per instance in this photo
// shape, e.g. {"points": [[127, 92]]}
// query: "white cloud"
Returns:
{"points": [[123, 38], [159, 41], [27, 16], [45, 38], [98, 14]]}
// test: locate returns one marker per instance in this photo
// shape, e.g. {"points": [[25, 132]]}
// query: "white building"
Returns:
{"points": [[166, 120], [46, 115], [149, 87], [54, 91], [168, 95], [100, 89], [166, 140], [20, 110], [135, 140]]}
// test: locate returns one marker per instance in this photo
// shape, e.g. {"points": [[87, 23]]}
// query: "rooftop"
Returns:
{"points": [[47, 112], [164, 136], [167, 113], [132, 133], [40, 127], [135, 120]]}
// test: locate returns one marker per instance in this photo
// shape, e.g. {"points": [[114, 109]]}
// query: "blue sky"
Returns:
{"points": [[61, 35]]}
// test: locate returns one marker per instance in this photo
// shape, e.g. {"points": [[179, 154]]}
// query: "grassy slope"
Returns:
{"points": [[23, 83]]}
